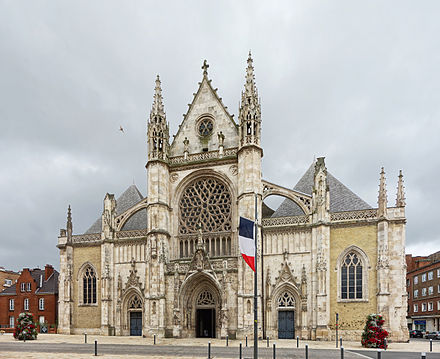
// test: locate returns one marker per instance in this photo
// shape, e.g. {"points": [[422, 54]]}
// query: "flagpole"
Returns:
{"points": [[255, 285]]}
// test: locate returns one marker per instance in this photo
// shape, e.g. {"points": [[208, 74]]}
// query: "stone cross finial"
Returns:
{"points": [[205, 68], [69, 224], [400, 200], [157, 108], [382, 199]]}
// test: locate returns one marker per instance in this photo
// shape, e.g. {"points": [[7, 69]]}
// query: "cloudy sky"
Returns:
{"points": [[355, 81]]}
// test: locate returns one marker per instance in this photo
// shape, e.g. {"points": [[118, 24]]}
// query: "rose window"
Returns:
{"points": [[205, 127], [205, 202]]}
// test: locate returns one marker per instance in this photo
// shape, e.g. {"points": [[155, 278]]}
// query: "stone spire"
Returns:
{"points": [[69, 224], [250, 109], [400, 200], [158, 130], [157, 109], [382, 199]]}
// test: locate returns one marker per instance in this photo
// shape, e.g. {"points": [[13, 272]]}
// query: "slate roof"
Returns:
{"points": [[341, 198], [126, 200], [51, 285], [10, 290]]}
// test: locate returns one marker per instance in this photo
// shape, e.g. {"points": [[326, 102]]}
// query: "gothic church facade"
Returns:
{"points": [[169, 263]]}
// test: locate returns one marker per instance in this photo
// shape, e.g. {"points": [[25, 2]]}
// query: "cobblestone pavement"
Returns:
{"points": [[53, 346]]}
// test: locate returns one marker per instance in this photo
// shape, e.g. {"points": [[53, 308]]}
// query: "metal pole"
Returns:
{"points": [[154, 339], [246, 341], [307, 351], [386, 343], [255, 284], [274, 351], [342, 352], [379, 354], [297, 341], [423, 355], [267, 340], [96, 348], [240, 350], [85, 338], [227, 340], [430, 345], [337, 320], [340, 341], [209, 350]]}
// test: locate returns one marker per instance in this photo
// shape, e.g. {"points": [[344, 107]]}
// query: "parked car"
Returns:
{"points": [[433, 335], [415, 334]]}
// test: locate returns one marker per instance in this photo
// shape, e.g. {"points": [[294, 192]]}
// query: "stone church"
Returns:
{"points": [[169, 264]]}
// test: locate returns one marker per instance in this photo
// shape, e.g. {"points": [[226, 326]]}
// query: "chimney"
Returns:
{"points": [[48, 270]]}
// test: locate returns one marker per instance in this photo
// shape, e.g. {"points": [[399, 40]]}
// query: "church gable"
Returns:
{"points": [[206, 124]]}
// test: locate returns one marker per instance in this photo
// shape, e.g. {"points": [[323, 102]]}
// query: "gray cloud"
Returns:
{"points": [[357, 82]]}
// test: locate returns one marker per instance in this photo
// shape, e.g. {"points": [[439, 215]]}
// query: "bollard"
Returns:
{"points": [[430, 345], [379, 354], [340, 342], [267, 340], [227, 340], [274, 351], [241, 350], [386, 343], [297, 341], [154, 339], [85, 338], [209, 350], [307, 351], [342, 352], [422, 355], [246, 341], [96, 348]]}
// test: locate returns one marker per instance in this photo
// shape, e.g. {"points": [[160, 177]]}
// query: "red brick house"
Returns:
{"points": [[36, 291]]}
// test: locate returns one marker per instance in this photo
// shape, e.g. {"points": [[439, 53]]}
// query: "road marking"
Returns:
{"points": [[361, 355]]}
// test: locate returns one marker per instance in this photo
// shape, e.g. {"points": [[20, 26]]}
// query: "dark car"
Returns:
{"points": [[433, 335], [415, 334]]}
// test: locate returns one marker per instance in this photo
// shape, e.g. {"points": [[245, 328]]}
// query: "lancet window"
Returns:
{"points": [[135, 303], [286, 300], [351, 277], [89, 286]]}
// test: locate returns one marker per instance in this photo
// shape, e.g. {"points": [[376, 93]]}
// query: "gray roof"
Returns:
{"points": [[51, 285], [341, 198], [10, 290], [126, 200]]}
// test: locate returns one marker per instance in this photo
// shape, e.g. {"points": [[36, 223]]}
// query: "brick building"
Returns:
{"points": [[7, 278], [423, 287], [36, 291]]}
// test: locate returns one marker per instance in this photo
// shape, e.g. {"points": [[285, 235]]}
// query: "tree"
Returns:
{"points": [[26, 328], [374, 336]]}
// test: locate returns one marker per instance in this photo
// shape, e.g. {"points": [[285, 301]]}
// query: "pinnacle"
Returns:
{"points": [[205, 68], [158, 108], [250, 88]]}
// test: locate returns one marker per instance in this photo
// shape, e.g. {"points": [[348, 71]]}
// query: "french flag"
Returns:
{"points": [[246, 236]]}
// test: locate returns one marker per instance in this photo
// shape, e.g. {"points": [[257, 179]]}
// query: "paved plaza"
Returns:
{"points": [[53, 346]]}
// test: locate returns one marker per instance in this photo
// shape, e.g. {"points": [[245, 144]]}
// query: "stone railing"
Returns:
{"points": [[85, 238], [285, 221], [132, 234], [360, 215], [216, 245], [195, 157]]}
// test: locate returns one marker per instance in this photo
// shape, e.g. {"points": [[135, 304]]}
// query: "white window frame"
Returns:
{"points": [[416, 293], [81, 273], [430, 306], [424, 277], [423, 307], [11, 304], [8, 282], [41, 304], [430, 275], [11, 322], [438, 273], [41, 319], [416, 308], [438, 288], [26, 304], [424, 292], [28, 287], [416, 279], [438, 305], [22, 287], [430, 290], [365, 273]]}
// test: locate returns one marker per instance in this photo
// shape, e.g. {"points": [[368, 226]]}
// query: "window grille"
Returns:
{"points": [[26, 304], [41, 304], [351, 277], [11, 304]]}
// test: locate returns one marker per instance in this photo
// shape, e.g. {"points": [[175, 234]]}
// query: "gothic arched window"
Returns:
{"points": [[89, 286], [205, 298], [351, 276], [286, 300], [135, 303]]}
